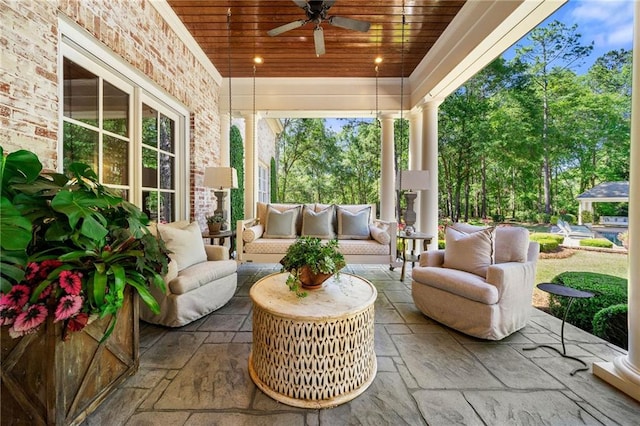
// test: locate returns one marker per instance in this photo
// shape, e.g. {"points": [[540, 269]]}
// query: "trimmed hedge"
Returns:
{"points": [[596, 242], [548, 242], [608, 290], [611, 324]]}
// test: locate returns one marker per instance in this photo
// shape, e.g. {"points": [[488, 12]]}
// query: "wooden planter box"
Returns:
{"points": [[46, 380]]}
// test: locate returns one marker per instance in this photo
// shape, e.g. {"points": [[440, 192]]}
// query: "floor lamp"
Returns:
{"points": [[220, 178], [412, 180]]}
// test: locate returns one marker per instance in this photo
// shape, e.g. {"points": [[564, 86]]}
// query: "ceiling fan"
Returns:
{"points": [[316, 11]]}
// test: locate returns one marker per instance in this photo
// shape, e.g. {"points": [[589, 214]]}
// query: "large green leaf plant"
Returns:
{"points": [[69, 247]]}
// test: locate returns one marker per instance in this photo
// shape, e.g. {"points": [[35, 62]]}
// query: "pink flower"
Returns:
{"points": [[67, 307], [78, 322], [17, 297], [7, 314], [32, 271], [29, 320], [70, 282], [45, 293], [47, 266]]}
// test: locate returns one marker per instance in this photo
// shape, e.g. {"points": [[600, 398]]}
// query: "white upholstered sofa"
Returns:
{"points": [[481, 284], [362, 237], [201, 278]]}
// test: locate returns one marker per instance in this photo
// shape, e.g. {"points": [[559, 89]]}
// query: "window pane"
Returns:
{"points": [[167, 133], [80, 93], [115, 104], [149, 126], [150, 204], [166, 171], [115, 161], [80, 146], [166, 207], [149, 168]]}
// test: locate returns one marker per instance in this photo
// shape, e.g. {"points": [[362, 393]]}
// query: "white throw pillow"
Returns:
{"points": [[281, 224], [353, 226], [318, 224], [469, 252], [253, 233], [380, 234], [185, 243]]}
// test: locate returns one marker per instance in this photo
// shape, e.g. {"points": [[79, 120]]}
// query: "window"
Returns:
{"points": [[117, 121], [264, 190]]}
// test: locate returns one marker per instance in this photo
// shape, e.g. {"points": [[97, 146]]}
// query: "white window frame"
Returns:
{"points": [[264, 184], [79, 46]]}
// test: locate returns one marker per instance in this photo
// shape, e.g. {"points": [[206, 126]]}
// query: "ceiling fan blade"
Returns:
{"points": [[350, 24], [301, 3], [318, 39], [328, 3], [286, 27]]}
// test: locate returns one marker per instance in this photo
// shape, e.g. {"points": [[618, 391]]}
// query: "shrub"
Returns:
{"points": [[596, 242], [548, 242], [441, 244], [543, 218], [587, 216], [553, 220], [611, 324], [608, 291]]}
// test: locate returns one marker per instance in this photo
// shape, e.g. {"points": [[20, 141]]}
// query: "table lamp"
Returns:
{"points": [[412, 180], [220, 178]]}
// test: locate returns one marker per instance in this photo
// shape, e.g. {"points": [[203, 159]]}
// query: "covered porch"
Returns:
{"points": [[427, 373]]}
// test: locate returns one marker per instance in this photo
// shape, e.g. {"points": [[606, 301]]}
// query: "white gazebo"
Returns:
{"points": [[606, 192]]}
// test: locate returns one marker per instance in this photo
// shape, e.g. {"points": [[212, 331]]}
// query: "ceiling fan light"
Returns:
{"points": [[318, 39]]}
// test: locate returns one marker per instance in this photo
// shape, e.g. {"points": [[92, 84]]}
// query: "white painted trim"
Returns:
{"points": [[170, 17]]}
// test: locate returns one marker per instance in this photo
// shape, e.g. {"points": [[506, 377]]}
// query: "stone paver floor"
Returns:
{"points": [[427, 374]]}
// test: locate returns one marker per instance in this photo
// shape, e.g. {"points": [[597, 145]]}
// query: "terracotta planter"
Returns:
{"points": [[46, 380], [311, 281], [214, 228]]}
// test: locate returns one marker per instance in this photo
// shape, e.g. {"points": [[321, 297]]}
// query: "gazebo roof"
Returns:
{"points": [[607, 192]]}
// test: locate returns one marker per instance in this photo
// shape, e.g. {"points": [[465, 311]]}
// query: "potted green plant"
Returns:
{"points": [[215, 223], [311, 262], [73, 257]]}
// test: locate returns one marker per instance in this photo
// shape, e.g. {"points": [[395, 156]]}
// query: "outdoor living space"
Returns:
{"points": [[427, 373]]}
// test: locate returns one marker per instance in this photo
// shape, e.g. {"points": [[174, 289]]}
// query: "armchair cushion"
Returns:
{"points": [[512, 244], [472, 252], [185, 243], [201, 274], [461, 283]]}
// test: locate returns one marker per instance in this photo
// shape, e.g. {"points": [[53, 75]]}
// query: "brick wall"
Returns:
{"points": [[131, 28]]}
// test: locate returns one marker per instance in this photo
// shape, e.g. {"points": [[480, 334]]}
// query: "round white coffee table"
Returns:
{"points": [[316, 351]]}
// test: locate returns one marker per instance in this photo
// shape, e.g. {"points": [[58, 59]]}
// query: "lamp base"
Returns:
{"points": [[221, 195], [409, 214]]}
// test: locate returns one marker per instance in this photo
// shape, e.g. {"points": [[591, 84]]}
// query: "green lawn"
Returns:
{"points": [[583, 261]]}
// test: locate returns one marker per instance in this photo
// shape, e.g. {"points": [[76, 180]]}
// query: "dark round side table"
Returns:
{"points": [[571, 293]]}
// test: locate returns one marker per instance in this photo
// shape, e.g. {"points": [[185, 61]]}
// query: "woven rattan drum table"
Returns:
{"points": [[316, 351]]}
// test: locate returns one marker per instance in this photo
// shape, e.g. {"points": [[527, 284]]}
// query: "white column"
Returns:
{"points": [[624, 371], [428, 221], [224, 140], [415, 154], [387, 171], [250, 165]]}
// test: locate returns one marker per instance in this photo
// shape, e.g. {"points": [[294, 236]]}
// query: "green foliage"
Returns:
{"points": [[611, 324], [587, 216], [236, 160], [216, 218], [608, 290], [548, 242], [596, 242], [319, 257], [544, 218], [82, 224], [273, 177]]}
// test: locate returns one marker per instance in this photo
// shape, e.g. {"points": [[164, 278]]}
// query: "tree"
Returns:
{"points": [[553, 48]]}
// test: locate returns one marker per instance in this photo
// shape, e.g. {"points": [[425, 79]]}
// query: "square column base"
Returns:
{"points": [[608, 372]]}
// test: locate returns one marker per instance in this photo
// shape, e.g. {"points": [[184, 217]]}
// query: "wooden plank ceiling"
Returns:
{"points": [[292, 54]]}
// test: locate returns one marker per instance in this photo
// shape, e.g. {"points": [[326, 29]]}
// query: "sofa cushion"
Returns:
{"points": [[252, 233], [185, 244], [201, 274], [363, 247], [353, 225], [472, 252], [318, 224], [262, 210], [269, 246], [512, 244], [281, 224], [461, 283], [380, 233]]}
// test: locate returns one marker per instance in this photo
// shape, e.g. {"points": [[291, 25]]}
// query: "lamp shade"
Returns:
{"points": [[414, 180], [220, 177]]}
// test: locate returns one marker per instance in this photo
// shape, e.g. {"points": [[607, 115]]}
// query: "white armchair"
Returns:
{"points": [[474, 289]]}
